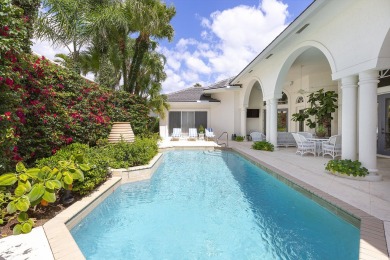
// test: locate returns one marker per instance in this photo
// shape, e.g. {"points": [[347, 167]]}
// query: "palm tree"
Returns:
{"points": [[64, 24], [154, 22]]}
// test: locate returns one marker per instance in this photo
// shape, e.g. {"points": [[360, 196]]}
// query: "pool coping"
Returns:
{"points": [[372, 235], [372, 232]]}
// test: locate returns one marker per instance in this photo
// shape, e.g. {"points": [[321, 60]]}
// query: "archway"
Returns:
{"points": [[305, 71]]}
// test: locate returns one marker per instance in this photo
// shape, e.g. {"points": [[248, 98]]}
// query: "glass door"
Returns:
{"points": [[282, 120], [384, 124]]}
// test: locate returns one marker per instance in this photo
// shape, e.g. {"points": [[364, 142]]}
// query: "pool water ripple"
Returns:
{"points": [[213, 205]]}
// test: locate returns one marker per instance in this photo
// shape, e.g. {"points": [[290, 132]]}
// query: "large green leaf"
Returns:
{"points": [[23, 216], [36, 192], [67, 178], [84, 167], [53, 173], [33, 172], [22, 204], [8, 179], [17, 229], [26, 227], [53, 184], [20, 167], [20, 190], [44, 173], [11, 208], [78, 175], [49, 196]]}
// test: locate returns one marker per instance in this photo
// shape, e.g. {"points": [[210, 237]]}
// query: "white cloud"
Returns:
{"points": [[230, 40], [45, 48]]}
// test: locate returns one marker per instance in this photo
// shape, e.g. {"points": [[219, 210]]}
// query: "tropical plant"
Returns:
{"points": [[321, 106], [28, 187], [347, 167], [64, 23], [239, 138], [263, 145]]}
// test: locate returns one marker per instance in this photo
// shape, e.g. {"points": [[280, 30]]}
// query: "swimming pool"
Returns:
{"points": [[216, 205]]}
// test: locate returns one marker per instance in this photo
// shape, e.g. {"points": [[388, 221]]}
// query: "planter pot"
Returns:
{"points": [[121, 131], [370, 177]]}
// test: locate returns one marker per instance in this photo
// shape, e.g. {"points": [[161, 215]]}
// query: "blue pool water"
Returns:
{"points": [[213, 205]]}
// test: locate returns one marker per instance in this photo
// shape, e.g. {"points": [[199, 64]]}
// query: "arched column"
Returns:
{"points": [[243, 120], [368, 84], [349, 117], [273, 120]]}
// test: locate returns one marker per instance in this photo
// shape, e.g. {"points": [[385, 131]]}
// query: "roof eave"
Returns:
{"points": [[290, 29]]}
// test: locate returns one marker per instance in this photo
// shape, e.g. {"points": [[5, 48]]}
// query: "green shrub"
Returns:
{"points": [[347, 167], [263, 145], [119, 155], [239, 138]]}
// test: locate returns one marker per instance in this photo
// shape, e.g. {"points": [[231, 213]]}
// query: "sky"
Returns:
{"points": [[216, 39]]}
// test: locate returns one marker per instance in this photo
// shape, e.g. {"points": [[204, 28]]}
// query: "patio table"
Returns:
{"points": [[318, 142]]}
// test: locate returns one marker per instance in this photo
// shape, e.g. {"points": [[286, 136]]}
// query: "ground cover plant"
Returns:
{"points": [[263, 145], [347, 167]]}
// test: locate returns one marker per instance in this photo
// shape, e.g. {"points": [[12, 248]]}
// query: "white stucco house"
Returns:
{"points": [[333, 45]]}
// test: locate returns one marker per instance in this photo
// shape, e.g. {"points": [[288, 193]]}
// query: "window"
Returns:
{"points": [[300, 100], [252, 113], [301, 123]]}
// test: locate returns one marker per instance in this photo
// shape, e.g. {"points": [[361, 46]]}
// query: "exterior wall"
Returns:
{"points": [[223, 114]]}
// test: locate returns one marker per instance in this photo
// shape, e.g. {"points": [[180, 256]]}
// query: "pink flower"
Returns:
{"points": [[9, 82], [7, 115]]}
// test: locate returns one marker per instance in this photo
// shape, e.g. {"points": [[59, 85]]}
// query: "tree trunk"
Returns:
{"points": [[141, 46]]}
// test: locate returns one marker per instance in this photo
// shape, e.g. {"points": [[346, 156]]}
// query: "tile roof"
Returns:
{"points": [[221, 84], [192, 94]]}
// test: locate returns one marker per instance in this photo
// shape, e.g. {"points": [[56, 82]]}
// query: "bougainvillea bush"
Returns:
{"points": [[45, 107]]}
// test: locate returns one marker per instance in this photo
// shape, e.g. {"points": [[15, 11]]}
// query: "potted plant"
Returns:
{"points": [[321, 131], [346, 167], [321, 106], [201, 129]]}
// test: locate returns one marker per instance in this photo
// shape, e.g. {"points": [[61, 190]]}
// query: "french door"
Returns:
{"points": [[186, 120], [384, 124]]}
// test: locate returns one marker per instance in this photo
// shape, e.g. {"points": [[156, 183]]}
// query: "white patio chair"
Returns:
{"points": [[332, 146], [303, 145], [192, 134], [209, 134], [306, 134], [257, 136], [176, 134]]}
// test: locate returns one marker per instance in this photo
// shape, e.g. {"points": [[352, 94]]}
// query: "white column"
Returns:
{"points": [[243, 121], [267, 120], [349, 117], [273, 121], [368, 84]]}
